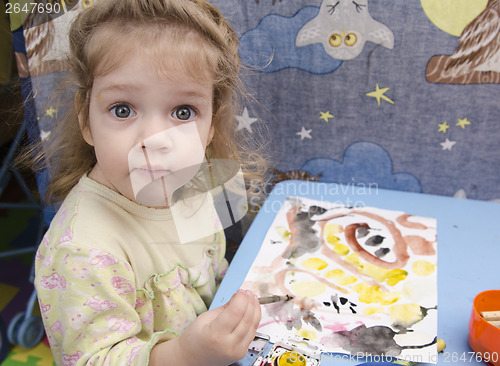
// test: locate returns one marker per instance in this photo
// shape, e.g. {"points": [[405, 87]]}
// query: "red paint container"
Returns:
{"points": [[484, 338]]}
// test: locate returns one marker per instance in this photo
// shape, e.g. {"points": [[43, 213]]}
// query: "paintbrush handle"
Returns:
{"points": [[491, 315], [273, 299]]}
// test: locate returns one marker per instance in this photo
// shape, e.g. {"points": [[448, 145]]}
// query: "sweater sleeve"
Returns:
{"points": [[87, 299]]}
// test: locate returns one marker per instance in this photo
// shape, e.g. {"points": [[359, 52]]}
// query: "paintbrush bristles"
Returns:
{"points": [[273, 299], [491, 315], [495, 323]]}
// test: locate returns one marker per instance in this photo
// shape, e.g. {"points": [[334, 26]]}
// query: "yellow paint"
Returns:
{"points": [[314, 264], [332, 239], [376, 272], [451, 16], [340, 277], [291, 358], [370, 310], [334, 274], [394, 276], [308, 289], [405, 314], [353, 259], [379, 274], [369, 294], [423, 268], [283, 232], [332, 229], [309, 334], [391, 297], [341, 249], [441, 345], [347, 280], [372, 295]]}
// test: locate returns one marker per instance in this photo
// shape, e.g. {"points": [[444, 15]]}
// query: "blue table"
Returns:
{"points": [[468, 248]]}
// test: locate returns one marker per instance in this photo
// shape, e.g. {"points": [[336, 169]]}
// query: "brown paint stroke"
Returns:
{"points": [[400, 248], [403, 221], [290, 218], [280, 276], [419, 245], [327, 252]]}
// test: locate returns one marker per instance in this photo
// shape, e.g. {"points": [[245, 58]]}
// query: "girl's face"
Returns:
{"points": [[149, 130]]}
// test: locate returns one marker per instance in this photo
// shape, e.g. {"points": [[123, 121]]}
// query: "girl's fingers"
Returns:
{"points": [[249, 322], [231, 314]]}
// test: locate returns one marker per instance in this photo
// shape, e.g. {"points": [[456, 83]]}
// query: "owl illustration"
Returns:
{"points": [[477, 57], [343, 27]]}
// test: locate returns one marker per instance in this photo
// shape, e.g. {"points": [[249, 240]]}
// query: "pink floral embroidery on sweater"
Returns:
{"points": [[53, 281], [121, 285], [70, 360], [119, 324], [98, 305], [102, 260]]}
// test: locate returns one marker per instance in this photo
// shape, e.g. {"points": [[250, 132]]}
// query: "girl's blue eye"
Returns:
{"points": [[122, 111], [183, 113]]}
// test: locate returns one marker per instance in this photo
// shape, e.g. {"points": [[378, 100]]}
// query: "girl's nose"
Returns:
{"points": [[154, 133], [161, 140]]}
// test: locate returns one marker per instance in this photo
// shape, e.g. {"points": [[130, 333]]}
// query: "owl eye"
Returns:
{"points": [[335, 40], [351, 39]]}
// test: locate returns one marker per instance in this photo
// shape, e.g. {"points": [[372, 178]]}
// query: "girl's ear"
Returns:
{"points": [[84, 126]]}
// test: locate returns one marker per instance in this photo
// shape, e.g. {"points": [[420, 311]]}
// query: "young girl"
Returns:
{"points": [[156, 82]]}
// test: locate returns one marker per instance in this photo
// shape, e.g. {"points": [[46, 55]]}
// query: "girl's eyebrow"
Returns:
{"points": [[194, 92], [118, 87]]}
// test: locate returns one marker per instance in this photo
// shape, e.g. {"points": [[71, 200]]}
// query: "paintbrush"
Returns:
{"points": [[273, 299], [492, 317]]}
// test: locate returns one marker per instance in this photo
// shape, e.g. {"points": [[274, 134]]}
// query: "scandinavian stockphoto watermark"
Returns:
{"points": [[350, 194]]}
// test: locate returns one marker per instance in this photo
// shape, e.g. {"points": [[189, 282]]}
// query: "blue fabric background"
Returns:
{"points": [[396, 146]]}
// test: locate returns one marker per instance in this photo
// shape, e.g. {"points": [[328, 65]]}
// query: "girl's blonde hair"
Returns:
{"points": [[95, 40]]}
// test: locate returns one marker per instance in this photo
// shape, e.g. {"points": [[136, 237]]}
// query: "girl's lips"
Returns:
{"points": [[154, 173]]}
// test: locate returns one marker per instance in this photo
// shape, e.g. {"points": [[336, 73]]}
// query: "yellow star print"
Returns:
{"points": [[462, 123], [443, 127], [380, 94], [325, 116], [50, 112]]}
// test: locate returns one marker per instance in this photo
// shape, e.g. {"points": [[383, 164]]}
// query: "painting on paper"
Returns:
{"points": [[363, 280]]}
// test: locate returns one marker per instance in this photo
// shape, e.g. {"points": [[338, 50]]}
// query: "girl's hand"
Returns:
{"points": [[221, 336]]}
